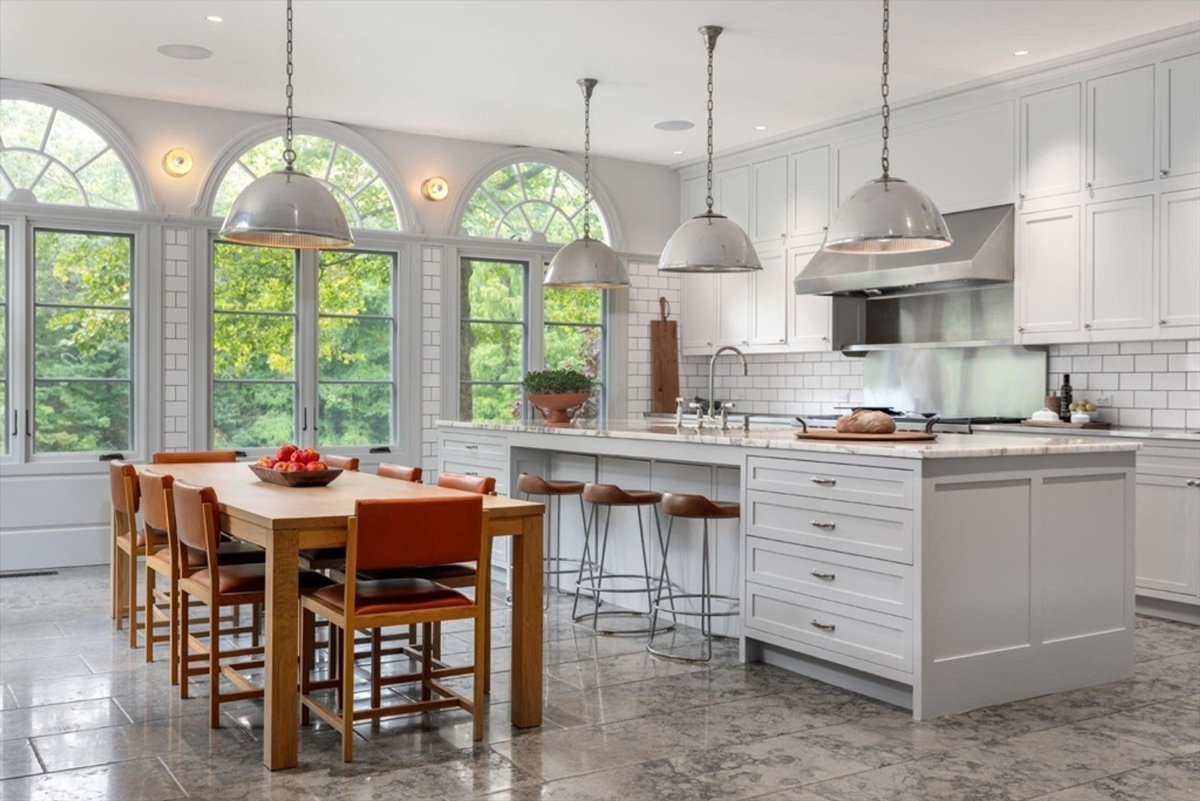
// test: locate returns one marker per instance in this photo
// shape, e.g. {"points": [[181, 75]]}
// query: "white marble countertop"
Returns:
{"points": [[1130, 433], [946, 446]]}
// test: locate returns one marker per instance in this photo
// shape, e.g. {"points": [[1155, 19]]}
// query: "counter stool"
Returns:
{"points": [[553, 491], [597, 581], [694, 507]]}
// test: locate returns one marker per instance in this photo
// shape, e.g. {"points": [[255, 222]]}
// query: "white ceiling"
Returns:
{"points": [[505, 71]]}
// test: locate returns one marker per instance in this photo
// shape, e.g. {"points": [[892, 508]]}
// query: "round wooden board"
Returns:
{"points": [[897, 436]]}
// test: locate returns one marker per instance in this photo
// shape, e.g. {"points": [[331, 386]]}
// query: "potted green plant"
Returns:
{"points": [[557, 394]]}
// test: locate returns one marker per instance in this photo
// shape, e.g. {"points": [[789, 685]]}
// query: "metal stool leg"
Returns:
{"points": [[588, 526], [661, 579]]}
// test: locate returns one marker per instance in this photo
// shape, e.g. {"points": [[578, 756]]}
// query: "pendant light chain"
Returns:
{"points": [[887, 111], [289, 155], [587, 161], [709, 199]]}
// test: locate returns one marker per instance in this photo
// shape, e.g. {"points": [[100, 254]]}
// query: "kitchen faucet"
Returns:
{"points": [[712, 363]]}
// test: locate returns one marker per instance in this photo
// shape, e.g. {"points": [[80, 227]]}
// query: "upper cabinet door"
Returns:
{"points": [[733, 195], [768, 316], [810, 192], [1179, 115], [770, 200], [698, 318], [810, 316], [695, 191], [1120, 127], [1051, 143], [1119, 254], [733, 309], [1179, 259], [1049, 279]]}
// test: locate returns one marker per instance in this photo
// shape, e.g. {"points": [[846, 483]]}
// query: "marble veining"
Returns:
{"points": [[781, 438]]}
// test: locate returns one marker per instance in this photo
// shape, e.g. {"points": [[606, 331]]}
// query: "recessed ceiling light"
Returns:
{"points": [[1020, 52], [676, 152], [214, 18], [185, 51], [760, 127], [674, 125]]}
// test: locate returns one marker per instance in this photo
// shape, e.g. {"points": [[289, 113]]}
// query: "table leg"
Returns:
{"points": [[280, 698], [527, 624]]}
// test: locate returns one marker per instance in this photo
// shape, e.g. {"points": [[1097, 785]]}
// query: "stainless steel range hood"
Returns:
{"points": [[982, 254]]}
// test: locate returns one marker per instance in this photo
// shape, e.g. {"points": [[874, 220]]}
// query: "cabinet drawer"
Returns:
{"points": [[1162, 460], [853, 580], [819, 624], [874, 531], [838, 482], [475, 448], [476, 469]]}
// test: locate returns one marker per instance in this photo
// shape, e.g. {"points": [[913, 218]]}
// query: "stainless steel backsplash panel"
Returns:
{"points": [[1004, 381]]}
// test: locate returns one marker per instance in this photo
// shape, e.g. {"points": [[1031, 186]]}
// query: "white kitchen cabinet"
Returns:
{"points": [[698, 319], [733, 309], [1179, 116], [809, 192], [1179, 259], [770, 290], [732, 195], [1120, 128], [769, 216], [1168, 535], [695, 192], [1118, 283], [809, 316], [1049, 276], [1051, 142]]}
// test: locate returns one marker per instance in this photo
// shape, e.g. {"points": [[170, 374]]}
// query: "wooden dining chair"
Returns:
{"points": [[193, 457], [129, 543], [399, 471], [197, 523], [344, 462], [395, 534]]}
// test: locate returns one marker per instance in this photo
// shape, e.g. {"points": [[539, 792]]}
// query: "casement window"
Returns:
{"points": [[573, 338], [303, 347]]}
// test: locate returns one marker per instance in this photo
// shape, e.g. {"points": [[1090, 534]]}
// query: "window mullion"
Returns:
{"points": [[306, 347]]}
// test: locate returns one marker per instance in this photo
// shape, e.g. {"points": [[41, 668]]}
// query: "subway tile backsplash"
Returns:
{"points": [[1145, 384]]}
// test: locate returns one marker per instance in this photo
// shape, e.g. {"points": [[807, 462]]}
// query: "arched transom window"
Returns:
{"points": [[357, 185], [533, 202], [50, 156]]}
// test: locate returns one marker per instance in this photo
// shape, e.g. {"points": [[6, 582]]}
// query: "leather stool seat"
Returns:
{"points": [[536, 485], [612, 495], [697, 506]]}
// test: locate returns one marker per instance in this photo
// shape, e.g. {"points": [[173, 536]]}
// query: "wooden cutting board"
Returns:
{"points": [[664, 360], [897, 436]]}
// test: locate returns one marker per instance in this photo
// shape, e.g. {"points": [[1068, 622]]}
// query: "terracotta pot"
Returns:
{"points": [[558, 409]]}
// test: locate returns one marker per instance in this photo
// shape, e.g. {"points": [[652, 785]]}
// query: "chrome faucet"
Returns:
{"points": [[712, 363]]}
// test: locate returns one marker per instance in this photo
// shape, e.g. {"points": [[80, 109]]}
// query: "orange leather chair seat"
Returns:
{"points": [[394, 595], [233, 552], [323, 554], [160, 561], [159, 538], [536, 485], [461, 570], [253, 578]]}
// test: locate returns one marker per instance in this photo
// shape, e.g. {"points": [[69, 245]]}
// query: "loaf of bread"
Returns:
{"points": [[864, 421]]}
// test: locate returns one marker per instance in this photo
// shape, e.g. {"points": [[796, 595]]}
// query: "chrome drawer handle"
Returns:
{"points": [[471, 447], [824, 482], [823, 626], [819, 524], [470, 473], [1193, 482], [823, 576]]}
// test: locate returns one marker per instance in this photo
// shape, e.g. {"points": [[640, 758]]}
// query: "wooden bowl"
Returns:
{"points": [[319, 478]]}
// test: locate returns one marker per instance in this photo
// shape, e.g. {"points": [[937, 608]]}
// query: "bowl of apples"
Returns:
{"points": [[295, 467]]}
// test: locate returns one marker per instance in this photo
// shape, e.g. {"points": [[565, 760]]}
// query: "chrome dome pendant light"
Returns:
{"points": [[709, 242], [286, 208], [587, 263], [887, 214]]}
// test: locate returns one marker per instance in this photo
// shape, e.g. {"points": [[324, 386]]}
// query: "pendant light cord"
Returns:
{"points": [[289, 155], [587, 159], [712, 44], [887, 110]]}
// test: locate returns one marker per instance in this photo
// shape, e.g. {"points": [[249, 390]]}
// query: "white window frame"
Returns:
{"points": [[527, 312]]}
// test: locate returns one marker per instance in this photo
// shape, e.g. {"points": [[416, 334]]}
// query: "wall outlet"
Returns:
{"points": [[842, 397], [1103, 400]]}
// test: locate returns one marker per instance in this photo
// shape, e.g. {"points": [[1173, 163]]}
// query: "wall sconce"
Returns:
{"points": [[177, 162], [435, 188]]}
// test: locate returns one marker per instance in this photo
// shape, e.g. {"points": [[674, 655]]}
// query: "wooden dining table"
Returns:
{"points": [[284, 520]]}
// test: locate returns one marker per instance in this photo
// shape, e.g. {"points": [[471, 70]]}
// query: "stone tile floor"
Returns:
{"points": [[84, 718]]}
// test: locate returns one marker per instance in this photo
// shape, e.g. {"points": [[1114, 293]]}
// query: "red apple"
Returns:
{"points": [[265, 461], [309, 455], [285, 452], [295, 467], [280, 465], [316, 467]]}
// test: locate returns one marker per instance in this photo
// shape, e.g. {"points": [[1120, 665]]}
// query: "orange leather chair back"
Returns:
{"points": [[345, 462], [193, 457], [417, 532], [389, 470], [153, 487], [480, 485], [190, 521], [118, 473]]}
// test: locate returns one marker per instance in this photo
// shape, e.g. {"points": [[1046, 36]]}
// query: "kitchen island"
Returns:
{"points": [[940, 576]]}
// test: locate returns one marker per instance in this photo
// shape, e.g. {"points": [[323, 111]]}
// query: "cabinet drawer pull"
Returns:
{"points": [[470, 473], [824, 482], [1191, 482], [823, 576], [819, 524], [822, 626], [471, 447]]}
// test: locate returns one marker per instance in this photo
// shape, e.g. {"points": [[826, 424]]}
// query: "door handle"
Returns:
{"points": [[823, 576], [14, 431], [823, 626], [304, 420], [822, 525]]}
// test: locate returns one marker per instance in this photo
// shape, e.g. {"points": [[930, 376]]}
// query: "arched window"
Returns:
{"points": [[532, 201], [358, 187], [51, 156]]}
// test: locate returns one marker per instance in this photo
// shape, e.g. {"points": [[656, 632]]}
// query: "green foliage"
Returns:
{"points": [[556, 382], [520, 199]]}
